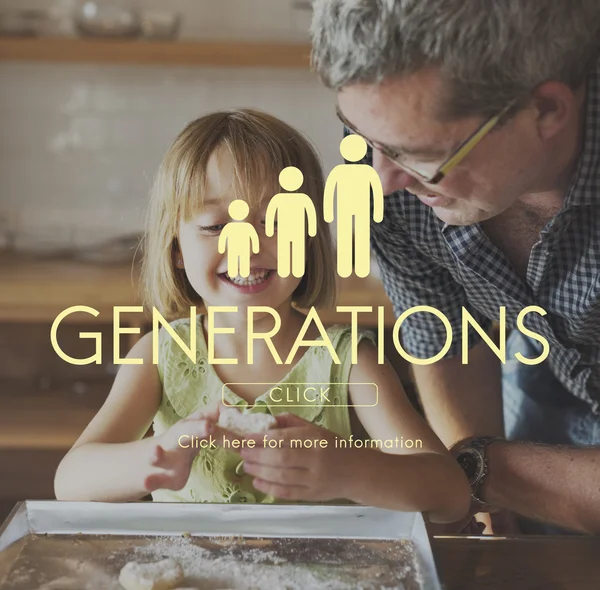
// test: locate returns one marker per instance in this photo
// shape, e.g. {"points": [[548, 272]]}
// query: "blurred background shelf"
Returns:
{"points": [[201, 53], [37, 290], [52, 420], [37, 428]]}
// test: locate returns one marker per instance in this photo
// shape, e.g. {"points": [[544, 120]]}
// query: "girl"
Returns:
{"points": [[217, 159]]}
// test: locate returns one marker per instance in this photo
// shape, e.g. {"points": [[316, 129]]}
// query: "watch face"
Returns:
{"points": [[472, 464]]}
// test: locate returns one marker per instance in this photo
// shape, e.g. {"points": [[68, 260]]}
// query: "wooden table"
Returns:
{"points": [[518, 563]]}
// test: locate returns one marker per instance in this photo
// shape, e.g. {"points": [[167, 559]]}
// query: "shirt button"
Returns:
{"points": [[239, 470], [242, 498]]}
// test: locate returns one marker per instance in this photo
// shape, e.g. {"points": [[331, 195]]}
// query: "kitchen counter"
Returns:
{"points": [[519, 563], [462, 562]]}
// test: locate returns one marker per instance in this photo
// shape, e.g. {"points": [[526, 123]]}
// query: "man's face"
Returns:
{"points": [[401, 114]]}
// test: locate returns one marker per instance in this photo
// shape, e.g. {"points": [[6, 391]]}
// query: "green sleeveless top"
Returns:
{"points": [[217, 475]]}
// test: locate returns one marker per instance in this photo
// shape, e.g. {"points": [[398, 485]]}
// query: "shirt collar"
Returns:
{"points": [[585, 184]]}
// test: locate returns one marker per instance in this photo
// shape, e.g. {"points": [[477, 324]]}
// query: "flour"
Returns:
{"points": [[160, 575], [242, 568], [91, 562]]}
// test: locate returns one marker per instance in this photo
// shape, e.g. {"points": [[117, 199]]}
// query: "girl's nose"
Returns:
{"points": [[392, 177]]}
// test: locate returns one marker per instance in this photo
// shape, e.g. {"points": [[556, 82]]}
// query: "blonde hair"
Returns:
{"points": [[260, 146]]}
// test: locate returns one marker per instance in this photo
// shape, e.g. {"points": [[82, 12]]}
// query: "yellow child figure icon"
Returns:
{"points": [[240, 239], [353, 183], [292, 210]]}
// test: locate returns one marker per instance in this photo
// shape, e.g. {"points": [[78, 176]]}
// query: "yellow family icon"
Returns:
{"points": [[353, 184], [239, 239], [292, 211]]}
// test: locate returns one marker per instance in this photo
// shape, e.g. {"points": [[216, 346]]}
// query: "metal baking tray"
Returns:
{"points": [[46, 545]]}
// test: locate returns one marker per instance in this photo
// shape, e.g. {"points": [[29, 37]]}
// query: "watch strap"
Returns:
{"points": [[480, 444]]}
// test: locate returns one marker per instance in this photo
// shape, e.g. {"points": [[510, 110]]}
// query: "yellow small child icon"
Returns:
{"points": [[353, 183], [240, 239], [292, 210]]}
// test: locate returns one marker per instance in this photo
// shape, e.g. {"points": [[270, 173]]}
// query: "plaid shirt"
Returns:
{"points": [[424, 261]]}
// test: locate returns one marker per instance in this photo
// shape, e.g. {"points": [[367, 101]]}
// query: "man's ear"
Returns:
{"points": [[556, 106]]}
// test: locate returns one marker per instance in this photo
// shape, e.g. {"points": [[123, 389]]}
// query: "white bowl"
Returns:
{"points": [[96, 19]]}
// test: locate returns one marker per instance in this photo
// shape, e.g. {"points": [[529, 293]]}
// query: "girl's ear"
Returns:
{"points": [[177, 256]]}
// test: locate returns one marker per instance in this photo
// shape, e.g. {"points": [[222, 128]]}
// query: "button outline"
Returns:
{"points": [[310, 383]]}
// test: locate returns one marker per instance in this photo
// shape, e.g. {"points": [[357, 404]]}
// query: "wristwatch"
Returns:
{"points": [[470, 455]]}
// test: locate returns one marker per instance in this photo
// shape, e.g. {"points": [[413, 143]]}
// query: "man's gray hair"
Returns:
{"points": [[489, 51]]}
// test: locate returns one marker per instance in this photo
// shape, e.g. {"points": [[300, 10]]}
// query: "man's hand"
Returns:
{"points": [[291, 471]]}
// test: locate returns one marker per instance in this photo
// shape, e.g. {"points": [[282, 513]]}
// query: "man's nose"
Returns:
{"points": [[392, 177]]}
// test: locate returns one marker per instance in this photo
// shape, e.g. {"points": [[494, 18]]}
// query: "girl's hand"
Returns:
{"points": [[306, 470], [172, 456]]}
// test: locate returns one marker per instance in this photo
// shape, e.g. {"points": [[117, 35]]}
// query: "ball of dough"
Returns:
{"points": [[160, 575], [246, 422]]}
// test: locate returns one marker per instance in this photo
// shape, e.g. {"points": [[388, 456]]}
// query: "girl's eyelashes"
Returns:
{"points": [[218, 227], [211, 229]]}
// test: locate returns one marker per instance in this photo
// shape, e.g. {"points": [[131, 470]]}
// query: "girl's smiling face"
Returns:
{"points": [[206, 268]]}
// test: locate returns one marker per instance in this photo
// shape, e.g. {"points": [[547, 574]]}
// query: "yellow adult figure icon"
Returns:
{"points": [[353, 183], [292, 211], [240, 239]]}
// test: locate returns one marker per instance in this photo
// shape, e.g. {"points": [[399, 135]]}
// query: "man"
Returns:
{"points": [[484, 124]]}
